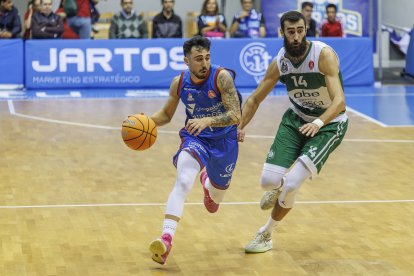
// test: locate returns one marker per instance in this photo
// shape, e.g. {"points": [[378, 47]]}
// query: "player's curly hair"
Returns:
{"points": [[196, 41]]}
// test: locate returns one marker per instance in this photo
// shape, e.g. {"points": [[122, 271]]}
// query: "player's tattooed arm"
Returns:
{"points": [[231, 103], [230, 99]]}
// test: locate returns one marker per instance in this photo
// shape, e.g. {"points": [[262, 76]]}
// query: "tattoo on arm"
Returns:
{"points": [[230, 101]]}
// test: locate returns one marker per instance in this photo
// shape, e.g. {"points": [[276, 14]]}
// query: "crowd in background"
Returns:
{"points": [[75, 19]]}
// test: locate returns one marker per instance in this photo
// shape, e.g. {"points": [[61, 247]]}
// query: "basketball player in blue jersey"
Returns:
{"points": [[208, 140], [310, 130]]}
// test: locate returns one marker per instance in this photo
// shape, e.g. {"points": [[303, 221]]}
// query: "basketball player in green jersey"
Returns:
{"points": [[312, 127]]}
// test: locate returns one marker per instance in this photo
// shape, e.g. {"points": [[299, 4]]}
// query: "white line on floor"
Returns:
{"points": [[199, 203], [13, 112]]}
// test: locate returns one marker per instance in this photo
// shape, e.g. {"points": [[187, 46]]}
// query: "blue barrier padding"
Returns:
{"points": [[153, 63], [409, 58], [11, 61]]}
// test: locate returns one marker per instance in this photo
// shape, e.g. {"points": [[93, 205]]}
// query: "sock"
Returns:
{"points": [[269, 226], [216, 195], [169, 227]]}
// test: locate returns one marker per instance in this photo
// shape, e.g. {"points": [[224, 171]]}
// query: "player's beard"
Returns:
{"points": [[200, 75], [295, 51]]}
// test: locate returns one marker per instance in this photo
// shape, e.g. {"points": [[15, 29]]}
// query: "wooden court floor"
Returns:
{"points": [[75, 201]]}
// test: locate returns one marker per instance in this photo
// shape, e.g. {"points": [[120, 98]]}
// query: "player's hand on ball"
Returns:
{"points": [[240, 135], [309, 129], [196, 126]]}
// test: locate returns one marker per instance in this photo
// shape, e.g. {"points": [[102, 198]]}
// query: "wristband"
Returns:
{"points": [[318, 122]]}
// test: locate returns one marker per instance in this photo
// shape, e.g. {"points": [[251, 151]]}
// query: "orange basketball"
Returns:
{"points": [[139, 132]]}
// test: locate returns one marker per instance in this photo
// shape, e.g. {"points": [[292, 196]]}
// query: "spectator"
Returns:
{"points": [[248, 22], [10, 25], [45, 23], [32, 7], [307, 9], [167, 24], [332, 26], [128, 24], [211, 23], [81, 23], [68, 33]]}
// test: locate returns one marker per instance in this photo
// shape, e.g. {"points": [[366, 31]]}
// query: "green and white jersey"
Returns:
{"points": [[306, 84]]}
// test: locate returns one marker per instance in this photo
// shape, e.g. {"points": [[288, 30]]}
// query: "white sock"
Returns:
{"points": [[169, 227], [216, 195], [269, 226]]}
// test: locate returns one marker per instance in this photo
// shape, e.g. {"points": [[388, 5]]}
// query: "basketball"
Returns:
{"points": [[139, 132]]}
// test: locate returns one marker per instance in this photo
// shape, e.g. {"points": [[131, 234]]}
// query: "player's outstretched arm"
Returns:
{"points": [[165, 114], [231, 103], [265, 86], [329, 66]]}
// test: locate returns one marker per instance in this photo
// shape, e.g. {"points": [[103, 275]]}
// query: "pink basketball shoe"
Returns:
{"points": [[210, 205]]}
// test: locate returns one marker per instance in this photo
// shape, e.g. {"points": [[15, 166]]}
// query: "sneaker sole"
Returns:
{"points": [[257, 250], [266, 205], [158, 248], [254, 251]]}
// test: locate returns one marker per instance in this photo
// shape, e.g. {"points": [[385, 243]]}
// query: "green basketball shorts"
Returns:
{"points": [[290, 145]]}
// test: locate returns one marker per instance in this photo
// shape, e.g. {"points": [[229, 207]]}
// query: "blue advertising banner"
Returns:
{"points": [[153, 63], [11, 62], [354, 14], [105, 63]]}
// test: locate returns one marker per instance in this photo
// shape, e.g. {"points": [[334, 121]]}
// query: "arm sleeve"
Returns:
{"points": [[154, 27], [17, 26], [180, 29], [36, 28], [113, 29]]}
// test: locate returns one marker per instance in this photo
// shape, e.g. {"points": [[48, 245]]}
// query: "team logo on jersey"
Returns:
{"points": [[211, 94], [283, 66], [311, 64], [190, 108], [254, 59], [190, 97]]}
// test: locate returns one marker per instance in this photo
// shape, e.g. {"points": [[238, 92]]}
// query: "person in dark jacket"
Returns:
{"points": [[46, 24], [167, 24], [10, 25]]}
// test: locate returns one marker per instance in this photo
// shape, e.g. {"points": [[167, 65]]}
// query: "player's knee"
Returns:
{"points": [[184, 184], [270, 180], [288, 196]]}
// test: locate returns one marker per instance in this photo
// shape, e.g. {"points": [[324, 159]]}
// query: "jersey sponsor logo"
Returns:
{"points": [[254, 59], [303, 94], [197, 147], [211, 108], [211, 94], [311, 64]]}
